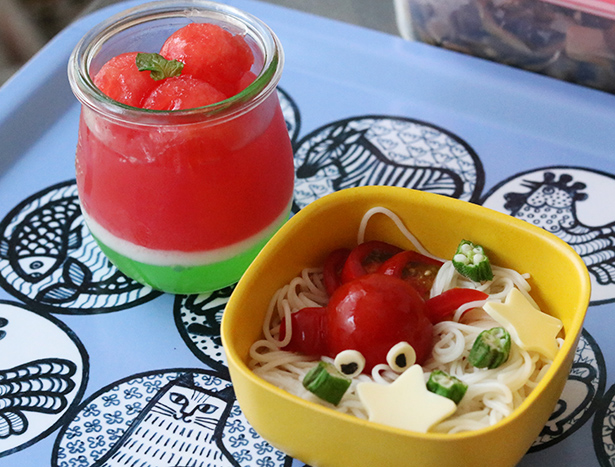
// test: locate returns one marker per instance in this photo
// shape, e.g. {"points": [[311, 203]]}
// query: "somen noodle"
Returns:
{"points": [[492, 393]]}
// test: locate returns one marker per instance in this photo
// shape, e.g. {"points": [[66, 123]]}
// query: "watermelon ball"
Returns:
{"points": [[121, 80], [211, 54], [245, 81], [182, 92]]}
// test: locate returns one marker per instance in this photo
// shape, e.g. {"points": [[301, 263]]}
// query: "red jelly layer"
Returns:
{"points": [[186, 188]]}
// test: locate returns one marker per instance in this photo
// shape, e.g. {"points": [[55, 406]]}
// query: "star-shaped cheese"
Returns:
{"points": [[406, 403], [530, 328]]}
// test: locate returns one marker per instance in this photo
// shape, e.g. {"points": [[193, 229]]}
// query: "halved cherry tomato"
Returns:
{"points": [[417, 269], [442, 307], [373, 313], [308, 329], [367, 258], [332, 269]]}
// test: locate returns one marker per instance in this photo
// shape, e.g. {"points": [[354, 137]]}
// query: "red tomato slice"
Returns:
{"points": [[332, 269], [417, 269], [373, 313], [308, 332], [442, 307], [367, 258]]}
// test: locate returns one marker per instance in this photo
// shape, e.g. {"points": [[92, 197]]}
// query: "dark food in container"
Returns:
{"points": [[535, 35]]}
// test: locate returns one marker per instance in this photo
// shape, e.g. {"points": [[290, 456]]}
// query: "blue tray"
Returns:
{"points": [[115, 345]]}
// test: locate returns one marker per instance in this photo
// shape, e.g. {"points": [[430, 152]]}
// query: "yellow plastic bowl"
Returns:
{"points": [[322, 437]]}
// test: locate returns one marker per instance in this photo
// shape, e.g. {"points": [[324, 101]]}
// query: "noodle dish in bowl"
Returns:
{"points": [[388, 326]]}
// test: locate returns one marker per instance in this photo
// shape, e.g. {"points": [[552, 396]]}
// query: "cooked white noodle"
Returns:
{"points": [[491, 395], [398, 223]]}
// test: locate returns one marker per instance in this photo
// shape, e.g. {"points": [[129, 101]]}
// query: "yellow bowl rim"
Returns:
{"points": [[570, 340]]}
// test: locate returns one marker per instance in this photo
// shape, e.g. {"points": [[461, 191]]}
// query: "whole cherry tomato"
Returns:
{"points": [[442, 307], [373, 313], [367, 258], [417, 269], [332, 269]]}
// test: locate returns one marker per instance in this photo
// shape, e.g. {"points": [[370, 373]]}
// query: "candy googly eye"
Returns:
{"points": [[401, 357], [349, 362]]}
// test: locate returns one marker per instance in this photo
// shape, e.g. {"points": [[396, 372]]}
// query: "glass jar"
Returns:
{"points": [[182, 200]]}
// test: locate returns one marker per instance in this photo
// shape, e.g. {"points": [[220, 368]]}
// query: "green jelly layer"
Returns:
{"points": [[184, 279]]}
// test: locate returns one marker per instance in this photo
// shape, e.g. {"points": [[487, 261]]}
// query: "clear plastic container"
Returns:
{"points": [[182, 200], [572, 40]]}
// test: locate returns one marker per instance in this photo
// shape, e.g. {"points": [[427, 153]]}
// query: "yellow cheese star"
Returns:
{"points": [[530, 328], [406, 403]]}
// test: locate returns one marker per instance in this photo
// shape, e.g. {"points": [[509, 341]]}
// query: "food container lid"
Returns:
{"points": [[604, 8]]}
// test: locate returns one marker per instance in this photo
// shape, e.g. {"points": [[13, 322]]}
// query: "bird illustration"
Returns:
{"points": [[551, 204], [209, 309]]}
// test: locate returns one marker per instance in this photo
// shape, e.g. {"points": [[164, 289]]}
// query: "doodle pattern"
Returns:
{"points": [[198, 319], [39, 383], [179, 426], [550, 197], [49, 260], [291, 114], [106, 422], [603, 429], [583, 390], [37, 386], [382, 150]]}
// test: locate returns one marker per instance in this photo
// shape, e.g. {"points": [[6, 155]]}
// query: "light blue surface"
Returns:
{"points": [[514, 120]]}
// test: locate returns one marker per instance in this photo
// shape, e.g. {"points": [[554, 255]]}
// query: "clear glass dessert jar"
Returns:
{"points": [[182, 200]]}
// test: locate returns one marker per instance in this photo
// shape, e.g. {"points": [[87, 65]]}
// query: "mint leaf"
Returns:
{"points": [[159, 66]]}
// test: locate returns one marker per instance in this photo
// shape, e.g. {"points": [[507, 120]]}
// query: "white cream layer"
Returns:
{"points": [[175, 257]]}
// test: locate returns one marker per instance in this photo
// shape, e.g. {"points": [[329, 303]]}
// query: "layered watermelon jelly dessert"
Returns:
{"points": [[184, 163]]}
